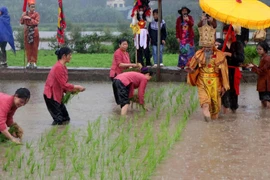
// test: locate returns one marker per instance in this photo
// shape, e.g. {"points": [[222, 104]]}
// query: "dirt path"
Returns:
{"points": [[235, 147]]}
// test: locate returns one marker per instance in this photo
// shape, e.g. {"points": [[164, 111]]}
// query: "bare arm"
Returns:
{"points": [[9, 136]]}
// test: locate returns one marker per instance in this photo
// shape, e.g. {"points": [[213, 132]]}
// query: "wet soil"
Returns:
{"points": [[234, 147]]}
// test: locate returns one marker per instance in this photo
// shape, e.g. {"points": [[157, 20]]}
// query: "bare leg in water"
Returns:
{"points": [[206, 112], [124, 109]]}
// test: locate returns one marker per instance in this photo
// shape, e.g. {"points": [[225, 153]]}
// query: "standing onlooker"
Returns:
{"points": [[185, 36], [153, 32], [121, 59], [206, 19], [6, 35], [234, 53], [243, 36], [263, 71], [30, 19], [56, 85], [141, 15]]}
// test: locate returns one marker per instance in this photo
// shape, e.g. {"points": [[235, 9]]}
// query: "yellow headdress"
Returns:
{"points": [[207, 36]]}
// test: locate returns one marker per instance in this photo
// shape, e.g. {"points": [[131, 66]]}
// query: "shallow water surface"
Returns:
{"points": [[235, 147]]}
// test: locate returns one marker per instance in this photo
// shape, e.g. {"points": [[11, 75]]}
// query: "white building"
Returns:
{"points": [[116, 3]]}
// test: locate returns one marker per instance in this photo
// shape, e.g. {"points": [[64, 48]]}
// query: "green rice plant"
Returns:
{"points": [[19, 164], [52, 164], [32, 168], [89, 133], [158, 111], [29, 160], [28, 145], [120, 175], [6, 165], [8, 151], [26, 174], [81, 175], [68, 96], [10, 172]]}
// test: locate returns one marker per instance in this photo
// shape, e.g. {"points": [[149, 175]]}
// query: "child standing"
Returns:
{"points": [[153, 33], [263, 71]]}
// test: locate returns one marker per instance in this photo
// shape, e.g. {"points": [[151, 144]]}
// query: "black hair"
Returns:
{"points": [[122, 40], [62, 51], [155, 11], [237, 47], [221, 41], [264, 45], [23, 93], [146, 70], [226, 27]]}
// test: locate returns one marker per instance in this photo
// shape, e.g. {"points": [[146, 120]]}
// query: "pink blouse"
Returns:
{"points": [[118, 58], [6, 111], [57, 83], [135, 80]]}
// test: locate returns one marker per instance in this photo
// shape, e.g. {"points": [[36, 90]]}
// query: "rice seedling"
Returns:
{"points": [[115, 148], [32, 168], [68, 96]]}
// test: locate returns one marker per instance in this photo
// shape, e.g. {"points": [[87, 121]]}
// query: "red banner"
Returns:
{"points": [[61, 24]]}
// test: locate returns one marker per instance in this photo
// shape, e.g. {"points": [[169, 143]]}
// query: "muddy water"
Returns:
{"points": [[235, 147], [88, 106]]}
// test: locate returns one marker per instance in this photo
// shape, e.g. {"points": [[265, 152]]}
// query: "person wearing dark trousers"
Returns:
{"points": [[3, 54], [144, 53], [234, 53], [6, 35], [56, 85], [153, 33]]}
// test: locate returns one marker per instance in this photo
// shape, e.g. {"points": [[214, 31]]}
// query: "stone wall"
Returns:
{"points": [[167, 74]]}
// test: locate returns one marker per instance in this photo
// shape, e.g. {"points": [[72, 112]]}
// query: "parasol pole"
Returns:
{"points": [[159, 40], [136, 56], [24, 10]]}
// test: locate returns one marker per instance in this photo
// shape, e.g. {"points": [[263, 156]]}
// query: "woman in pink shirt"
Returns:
{"points": [[56, 85], [121, 59], [8, 106], [124, 85]]}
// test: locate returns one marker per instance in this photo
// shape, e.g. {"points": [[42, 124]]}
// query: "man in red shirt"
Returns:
{"points": [[124, 85], [8, 106]]}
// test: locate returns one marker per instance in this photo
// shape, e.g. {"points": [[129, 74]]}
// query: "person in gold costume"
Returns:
{"points": [[208, 71]]}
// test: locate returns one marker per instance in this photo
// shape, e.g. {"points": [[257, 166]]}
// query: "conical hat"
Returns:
{"points": [[207, 36]]}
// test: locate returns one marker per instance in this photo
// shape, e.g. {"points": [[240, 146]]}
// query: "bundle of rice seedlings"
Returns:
{"points": [[15, 130], [68, 96]]}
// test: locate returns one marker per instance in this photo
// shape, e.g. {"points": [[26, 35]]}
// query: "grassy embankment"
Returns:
{"points": [[47, 58]]}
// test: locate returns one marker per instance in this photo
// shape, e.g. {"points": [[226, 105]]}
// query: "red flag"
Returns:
{"points": [[61, 24], [24, 5]]}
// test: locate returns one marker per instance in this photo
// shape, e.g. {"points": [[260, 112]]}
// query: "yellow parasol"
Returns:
{"points": [[252, 14]]}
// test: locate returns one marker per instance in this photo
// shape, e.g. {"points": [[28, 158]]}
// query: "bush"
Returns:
{"points": [[172, 45], [19, 38], [250, 54]]}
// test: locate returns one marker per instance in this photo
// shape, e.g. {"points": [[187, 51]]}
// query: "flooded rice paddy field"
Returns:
{"points": [[158, 144]]}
